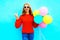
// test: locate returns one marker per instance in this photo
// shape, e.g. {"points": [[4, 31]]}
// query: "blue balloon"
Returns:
{"points": [[38, 19]]}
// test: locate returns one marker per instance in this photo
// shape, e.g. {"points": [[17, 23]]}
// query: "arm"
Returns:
{"points": [[35, 24], [18, 22]]}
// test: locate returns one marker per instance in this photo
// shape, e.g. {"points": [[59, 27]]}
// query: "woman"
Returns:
{"points": [[27, 20]]}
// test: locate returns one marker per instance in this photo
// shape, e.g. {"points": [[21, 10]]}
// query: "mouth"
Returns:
{"points": [[26, 9]]}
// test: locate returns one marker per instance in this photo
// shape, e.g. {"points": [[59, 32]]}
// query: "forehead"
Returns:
{"points": [[26, 5]]}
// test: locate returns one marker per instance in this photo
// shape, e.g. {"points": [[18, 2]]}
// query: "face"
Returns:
{"points": [[26, 8]]}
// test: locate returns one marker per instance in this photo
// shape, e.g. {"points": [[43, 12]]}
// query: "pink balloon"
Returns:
{"points": [[43, 11], [42, 25]]}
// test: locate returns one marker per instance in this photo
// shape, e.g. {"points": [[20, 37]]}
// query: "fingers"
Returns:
{"points": [[16, 15]]}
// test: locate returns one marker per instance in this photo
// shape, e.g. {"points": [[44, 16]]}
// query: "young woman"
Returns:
{"points": [[27, 20]]}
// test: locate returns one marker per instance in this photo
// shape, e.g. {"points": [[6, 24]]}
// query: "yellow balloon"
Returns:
{"points": [[47, 19], [36, 12]]}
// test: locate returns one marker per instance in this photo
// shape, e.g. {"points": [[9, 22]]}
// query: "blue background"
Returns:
{"points": [[7, 19]]}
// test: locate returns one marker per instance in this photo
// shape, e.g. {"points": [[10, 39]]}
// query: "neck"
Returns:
{"points": [[27, 12]]}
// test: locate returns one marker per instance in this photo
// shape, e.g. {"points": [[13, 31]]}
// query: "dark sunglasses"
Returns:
{"points": [[26, 7]]}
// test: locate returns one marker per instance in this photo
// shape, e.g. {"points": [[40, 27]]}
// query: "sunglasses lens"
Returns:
{"points": [[26, 7]]}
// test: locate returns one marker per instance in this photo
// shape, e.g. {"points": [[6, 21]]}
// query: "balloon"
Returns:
{"points": [[43, 11], [35, 13], [38, 19], [42, 25], [47, 19]]}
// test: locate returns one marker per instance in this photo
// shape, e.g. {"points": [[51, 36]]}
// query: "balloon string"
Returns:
{"points": [[42, 37]]}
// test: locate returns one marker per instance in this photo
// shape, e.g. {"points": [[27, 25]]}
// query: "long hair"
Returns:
{"points": [[30, 11]]}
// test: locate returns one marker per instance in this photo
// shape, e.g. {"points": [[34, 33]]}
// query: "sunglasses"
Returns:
{"points": [[26, 7]]}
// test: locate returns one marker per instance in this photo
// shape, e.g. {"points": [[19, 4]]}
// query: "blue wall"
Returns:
{"points": [[7, 19]]}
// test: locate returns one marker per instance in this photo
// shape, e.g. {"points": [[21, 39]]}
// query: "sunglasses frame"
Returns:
{"points": [[26, 7]]}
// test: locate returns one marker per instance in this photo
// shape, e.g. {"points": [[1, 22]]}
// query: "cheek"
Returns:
{"points": [[27, 9]]}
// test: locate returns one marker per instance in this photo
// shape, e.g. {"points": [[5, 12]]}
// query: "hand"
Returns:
{"points": [[16, 15]]}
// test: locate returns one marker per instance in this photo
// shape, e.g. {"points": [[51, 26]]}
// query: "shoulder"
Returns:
{"points": [[20, 16], [32, 16]]}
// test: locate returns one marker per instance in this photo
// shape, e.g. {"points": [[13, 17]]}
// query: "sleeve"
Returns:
{"points": [[18, 22], [35, 24]]}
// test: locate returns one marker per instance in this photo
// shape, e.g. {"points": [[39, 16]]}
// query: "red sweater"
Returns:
{"points": [[27, 22]]}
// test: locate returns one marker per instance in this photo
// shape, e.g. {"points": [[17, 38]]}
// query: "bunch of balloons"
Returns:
{"points": [[41, 17]]}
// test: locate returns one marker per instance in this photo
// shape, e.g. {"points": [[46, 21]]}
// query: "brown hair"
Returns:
{"points": [[30, 11]]}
